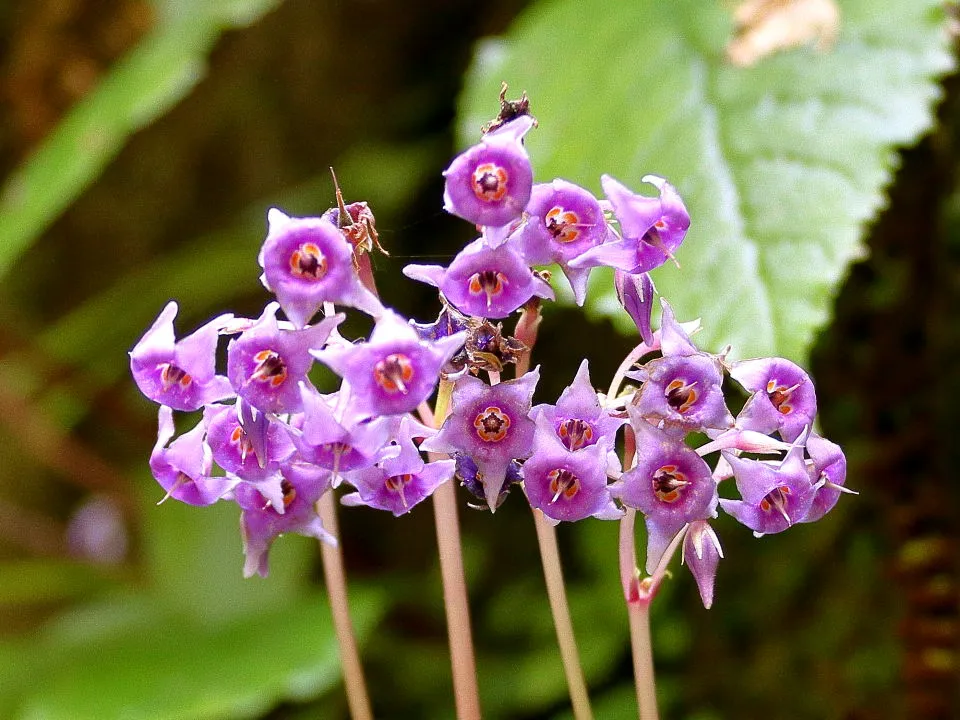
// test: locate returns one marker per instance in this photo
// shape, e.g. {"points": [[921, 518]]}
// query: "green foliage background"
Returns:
{"points": [[141, 144]]}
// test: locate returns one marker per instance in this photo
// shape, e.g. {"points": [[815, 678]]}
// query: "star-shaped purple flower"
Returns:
{"points": [[403, 480], [775, 496], [567, 485], [670, 484], [652, 228], [181, 375], [185, 468], [484, 281], [490, 183], [307, 262], [828, 473], [395, 371], [577, 420], [261, 522], [265, 363], [783, 396], [491, 425], [563, 222]]}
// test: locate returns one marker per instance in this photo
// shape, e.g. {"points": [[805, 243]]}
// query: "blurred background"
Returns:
{"points": [[112, 607]]}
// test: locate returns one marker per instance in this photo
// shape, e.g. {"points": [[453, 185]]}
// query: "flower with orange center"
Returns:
{"points": [[394, 373], [308, 262], [492, 424], [490, 182]]}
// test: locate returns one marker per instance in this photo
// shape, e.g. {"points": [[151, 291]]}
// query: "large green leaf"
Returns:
{"points": [[781, 164], [132, 658], [150, 80]]}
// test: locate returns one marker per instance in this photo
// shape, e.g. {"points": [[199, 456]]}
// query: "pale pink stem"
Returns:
{"points": [[557, 594], [464, 668], [336, 581]]}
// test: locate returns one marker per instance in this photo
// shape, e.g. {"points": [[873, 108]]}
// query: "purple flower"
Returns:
{"points": [[702, 553], [683, 393], [261, 522], [484, 281], [180, 375], [577, 420], [341, 445], [491, 425], [564, 221], [265, 363], [828, 473], [470, 477], [635, 293], [234, 449], [403, 480], [395, 371], [652, 228], [774, 496], [783, 397], [670, 484], [490, 183], [306, 262], [184, 468], [566, 485]]}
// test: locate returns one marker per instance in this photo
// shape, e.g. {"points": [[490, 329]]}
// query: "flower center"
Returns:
{"points": [[780, 396], [394, 373], [681, 395], [492, 424], [668, 483], [397, 483], [289, 493], [776, 499], [270, 368], [563, 482], [562, 224], [171, 375], [488, 282], [240, 438], [575, 433], [490, 182], [308, 262]]}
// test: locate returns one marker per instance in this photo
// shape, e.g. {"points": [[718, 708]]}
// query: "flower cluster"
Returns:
{"points": [[270, 441]]}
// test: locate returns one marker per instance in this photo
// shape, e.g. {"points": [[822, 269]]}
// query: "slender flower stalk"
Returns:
{"points": [[638, 603], [550, 555], [553, 574], [336, 581], [466, 692]]}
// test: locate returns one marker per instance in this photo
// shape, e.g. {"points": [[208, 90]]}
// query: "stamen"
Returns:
{"points": [[780, 395], [668, 483], [308, 262], [652, 237], [240, 437], [575, 433], [171, 375], [182, 479], [492, 424], [562, 224], [490, 182], [490, 282], [270, 368], [680, 395], [777, 500], [394, 373], [563, 482], [396, 484]]}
